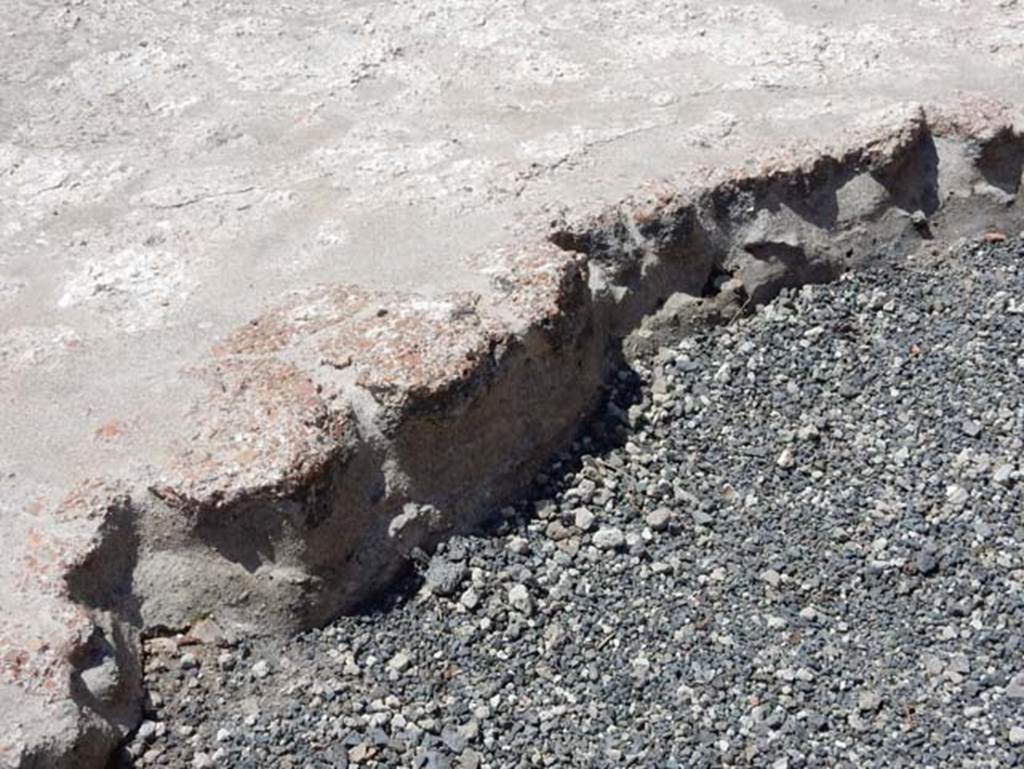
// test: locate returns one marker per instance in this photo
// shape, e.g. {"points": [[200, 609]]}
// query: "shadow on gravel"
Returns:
{"points": [[606, 430]]}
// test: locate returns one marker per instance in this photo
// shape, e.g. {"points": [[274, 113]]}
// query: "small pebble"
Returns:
{"points": [[609, 538]]}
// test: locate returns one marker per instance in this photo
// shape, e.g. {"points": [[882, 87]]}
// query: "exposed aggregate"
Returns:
{"points": [[793, 541]]}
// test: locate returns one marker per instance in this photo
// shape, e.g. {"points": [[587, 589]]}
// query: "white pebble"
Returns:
{"points": [[609, 538]]}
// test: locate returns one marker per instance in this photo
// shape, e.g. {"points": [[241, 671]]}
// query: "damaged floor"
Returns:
{"points": [[795, 540], [288, 292]]}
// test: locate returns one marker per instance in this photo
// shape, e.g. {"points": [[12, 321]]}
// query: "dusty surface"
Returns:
{"points": [[170, 172], [372, 183], [789, 542]]}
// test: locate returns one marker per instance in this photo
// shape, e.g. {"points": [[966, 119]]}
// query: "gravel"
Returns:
{"points": [[609, 538], [443, 577], [802, 549], [658, 519]]}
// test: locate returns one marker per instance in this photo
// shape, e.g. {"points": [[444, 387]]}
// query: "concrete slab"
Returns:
{"points": [[277, 296]]}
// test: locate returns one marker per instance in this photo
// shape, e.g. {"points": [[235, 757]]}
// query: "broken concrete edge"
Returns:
{"points": [[346, 428]]}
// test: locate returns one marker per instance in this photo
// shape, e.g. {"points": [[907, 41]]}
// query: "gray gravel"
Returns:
{"points": [[795, 541]]}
